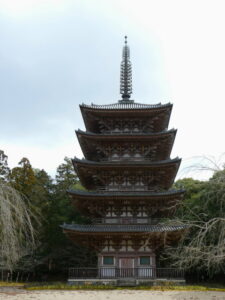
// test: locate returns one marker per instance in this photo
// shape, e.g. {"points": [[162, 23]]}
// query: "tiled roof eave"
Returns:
{"points": [[77, 228], [126, 106], [124, 135], [127, 163], [126, 194]]}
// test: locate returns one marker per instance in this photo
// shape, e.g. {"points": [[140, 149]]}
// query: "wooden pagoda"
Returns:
{"points": [[128, 173]]}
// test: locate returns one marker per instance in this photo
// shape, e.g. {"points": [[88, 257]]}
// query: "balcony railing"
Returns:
{"points": [[124, 159], [116, 273], [129, 220], [126, 188]]}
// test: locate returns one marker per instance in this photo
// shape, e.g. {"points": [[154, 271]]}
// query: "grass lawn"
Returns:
{"points": [[167, 287], [4, 283]]}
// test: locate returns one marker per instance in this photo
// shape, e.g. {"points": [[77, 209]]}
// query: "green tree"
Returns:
{"points": [[37, 186], [57, 250], [203, 210], [23, 178], [4, 169], [65, 177], [42, 190], [191, 207]]}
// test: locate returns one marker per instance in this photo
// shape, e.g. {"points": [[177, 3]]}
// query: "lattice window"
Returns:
{"points": [[145, 260], [108, 260]]}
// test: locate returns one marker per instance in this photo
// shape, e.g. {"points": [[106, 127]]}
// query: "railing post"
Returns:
{"points": [[136, 272]]}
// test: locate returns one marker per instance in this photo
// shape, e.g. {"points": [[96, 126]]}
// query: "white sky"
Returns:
{"points": [[57, 54]]}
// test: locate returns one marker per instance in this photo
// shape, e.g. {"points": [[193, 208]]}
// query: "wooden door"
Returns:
{"points": [[126, 267], [126, 220]]}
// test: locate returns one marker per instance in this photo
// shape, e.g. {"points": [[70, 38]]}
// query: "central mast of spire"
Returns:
{"points": [[126, 75]]}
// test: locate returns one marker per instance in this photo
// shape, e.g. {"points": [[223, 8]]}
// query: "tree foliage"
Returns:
{"points": [[22, 177], [202, 248], [203, 210], [25, 194], [57, 252], [4, 169]]}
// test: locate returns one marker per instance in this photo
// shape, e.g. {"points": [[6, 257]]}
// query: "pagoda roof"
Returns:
{"points": [[94, 236], [128, 164], [93, 113], [126, 136], [102, 194], [96, 203], [89, 142], [125, 163], [129, 105], [118, 228], [91, 173]]}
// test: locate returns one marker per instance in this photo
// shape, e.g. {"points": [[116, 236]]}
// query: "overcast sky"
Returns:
{"points": [[56, 54]]}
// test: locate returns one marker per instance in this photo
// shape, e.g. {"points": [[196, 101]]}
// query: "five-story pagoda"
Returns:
{"points": [[128, 174]]}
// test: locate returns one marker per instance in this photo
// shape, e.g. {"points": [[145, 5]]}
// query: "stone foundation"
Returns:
{"points": [[127, 282]]}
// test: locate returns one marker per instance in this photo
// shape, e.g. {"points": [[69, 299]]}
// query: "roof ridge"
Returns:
{"points": [[125, 105]]}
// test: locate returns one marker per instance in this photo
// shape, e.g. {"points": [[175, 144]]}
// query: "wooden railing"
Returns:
{"points": [[129, 220], [125, 188], [124, 159], [115, 273]]}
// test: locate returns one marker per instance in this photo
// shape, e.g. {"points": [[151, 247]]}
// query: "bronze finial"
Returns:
{"points": [[126, 73]]}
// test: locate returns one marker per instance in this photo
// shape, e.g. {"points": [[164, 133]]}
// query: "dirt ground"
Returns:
{"points": [[8, 293]]}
